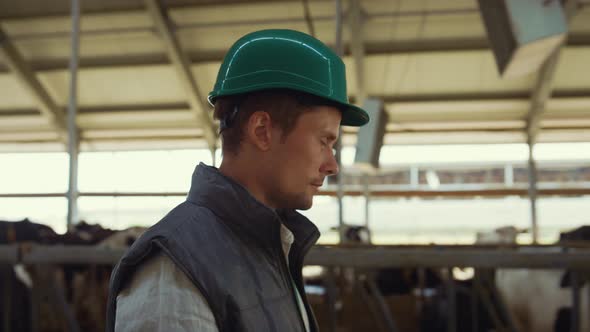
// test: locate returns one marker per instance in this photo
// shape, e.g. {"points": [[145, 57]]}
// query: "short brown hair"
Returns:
{"points": [[284, 107]]}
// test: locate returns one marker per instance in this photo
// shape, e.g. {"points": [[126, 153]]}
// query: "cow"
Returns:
{"points": [[500, 236], [468, 302], [578, 235], [122, 239], [15, 280], [85, 286], [401, 289], [536, 299], [390, 281], [25, 231], [83, 233], [18, 296], [541, 300]]}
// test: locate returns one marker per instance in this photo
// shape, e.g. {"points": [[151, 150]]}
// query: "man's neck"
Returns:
{"points": [[245, 175]]}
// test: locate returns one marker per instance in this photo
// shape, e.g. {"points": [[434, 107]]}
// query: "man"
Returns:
{"points": [[230, 257]]}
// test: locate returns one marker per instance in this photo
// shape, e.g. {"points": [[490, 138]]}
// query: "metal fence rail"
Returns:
{"points": [[482, 258], [532, 257]]}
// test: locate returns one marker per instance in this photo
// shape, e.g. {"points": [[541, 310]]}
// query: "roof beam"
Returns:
{"points": [[479, 96], [357, 48], [17, 65], [177, 7], [374, 48], [406, 98], [308, 19], [544, 84], [370, 49], [181, 64]]}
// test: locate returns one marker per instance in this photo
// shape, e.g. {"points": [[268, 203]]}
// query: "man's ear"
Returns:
{"points": [[259, 130]]}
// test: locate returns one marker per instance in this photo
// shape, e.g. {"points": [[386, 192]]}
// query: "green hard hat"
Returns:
{"points": [[286, 59]]}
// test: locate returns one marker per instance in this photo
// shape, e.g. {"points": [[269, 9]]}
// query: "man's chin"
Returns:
{"points": [[297, 202], [306, 205], [302, 204]]}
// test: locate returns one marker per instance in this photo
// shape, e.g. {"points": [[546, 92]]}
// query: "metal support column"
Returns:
{"points": [[533, 192], [414, 177], [509, 175], [367, 194], [541, 93], [73, 144]]}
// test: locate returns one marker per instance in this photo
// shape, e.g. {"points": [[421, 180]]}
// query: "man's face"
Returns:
{"points": [[302, 160]]}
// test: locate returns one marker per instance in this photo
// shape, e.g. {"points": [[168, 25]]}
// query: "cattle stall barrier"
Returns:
{"points": [[367, 257]]}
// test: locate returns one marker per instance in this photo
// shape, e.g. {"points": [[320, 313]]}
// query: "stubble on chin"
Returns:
{"points": [[297, 202]]}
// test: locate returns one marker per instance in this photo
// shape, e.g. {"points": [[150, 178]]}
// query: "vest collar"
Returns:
{"points": [[235, 206]]}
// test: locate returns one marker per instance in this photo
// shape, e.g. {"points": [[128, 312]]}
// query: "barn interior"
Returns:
{"points": [[462, 206]]}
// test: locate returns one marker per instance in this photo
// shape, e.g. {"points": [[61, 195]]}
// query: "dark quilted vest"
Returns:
{"points": [[228, 244]]}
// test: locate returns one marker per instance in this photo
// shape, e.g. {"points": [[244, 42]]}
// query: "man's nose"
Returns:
{"points": [[330, 167]]}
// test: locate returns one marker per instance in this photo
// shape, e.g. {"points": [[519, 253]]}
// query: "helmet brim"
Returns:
{"points": [[354, 116]]}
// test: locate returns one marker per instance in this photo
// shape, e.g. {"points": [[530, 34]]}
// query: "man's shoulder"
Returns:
{"points": [[170, 241], [182, 223], [184, 215], [190, 228]]}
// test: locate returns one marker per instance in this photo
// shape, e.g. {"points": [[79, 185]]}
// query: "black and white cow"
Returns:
{"points": [[85, 285], [541, 300]]}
